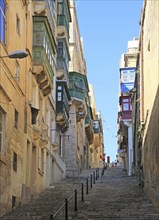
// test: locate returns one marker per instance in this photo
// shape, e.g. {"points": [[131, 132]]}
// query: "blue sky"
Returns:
{"points": [[106, 27]]}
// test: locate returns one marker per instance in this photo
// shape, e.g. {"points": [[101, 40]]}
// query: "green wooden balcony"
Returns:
{"points": [[62, 105], [41, 58], [78, 86], [46, 6], [63, 18], [43, 54], [89, 129], [87, 120], [61, 21]]}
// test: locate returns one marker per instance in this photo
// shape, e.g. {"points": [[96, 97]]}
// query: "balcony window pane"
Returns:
{"points": [[14, 161], [51, 5], [38, 39], [125, 107], [59, 87], [125, 100], [59, 8], [59, 96]]}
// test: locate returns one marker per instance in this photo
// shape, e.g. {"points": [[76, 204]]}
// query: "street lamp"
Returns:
{"points": [[18, 54]]}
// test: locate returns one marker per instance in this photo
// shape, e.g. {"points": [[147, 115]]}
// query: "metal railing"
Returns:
{"points": [[89, 182]]}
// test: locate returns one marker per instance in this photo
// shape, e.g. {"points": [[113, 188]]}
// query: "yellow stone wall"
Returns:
{"points": [[12, 96], [150, 102]]}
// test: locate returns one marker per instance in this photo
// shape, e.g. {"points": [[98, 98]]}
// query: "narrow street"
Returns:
{"points": [[112, 196], [117, 196]]}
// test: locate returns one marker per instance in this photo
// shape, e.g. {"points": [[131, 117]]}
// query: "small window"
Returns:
{"points": [[60, 52], [2, 129], [125, 100], [96, 126], [60, 49], [59, 96], [16, 119], [124, 78], [126, 104], [125, 107], [17, 24], [13, 202], [124, 71], [59, 87], [60, 44], [60, 8], [14, 161], [132, 77], [34, 114]]}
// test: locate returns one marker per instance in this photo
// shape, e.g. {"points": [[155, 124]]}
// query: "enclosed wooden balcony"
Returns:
{"points": [[43, 54], [96, 126], [45, 8], [89, 129], [63, 58], [63, 99], [78, 87], [63, 19]]}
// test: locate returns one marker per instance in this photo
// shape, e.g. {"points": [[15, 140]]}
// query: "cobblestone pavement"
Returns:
{"points": [[116, 196], [113, 196]]}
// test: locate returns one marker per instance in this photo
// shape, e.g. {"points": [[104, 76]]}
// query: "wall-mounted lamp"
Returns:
{"points": [[18, 54]]}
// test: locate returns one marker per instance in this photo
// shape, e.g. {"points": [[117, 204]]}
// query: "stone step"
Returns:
{"points": [[114, 196]]}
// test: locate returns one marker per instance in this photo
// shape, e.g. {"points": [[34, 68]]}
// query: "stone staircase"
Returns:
{"points": [[49, 201], [114, 196]]}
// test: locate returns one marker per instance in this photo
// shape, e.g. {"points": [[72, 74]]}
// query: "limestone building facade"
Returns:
{"points": [[146, 110], [79, 137], [46, 119], [30, 154], [127, 79]]}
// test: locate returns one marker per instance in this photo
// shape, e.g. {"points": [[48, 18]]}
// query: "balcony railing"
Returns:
{"points": [[43, 45]]}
